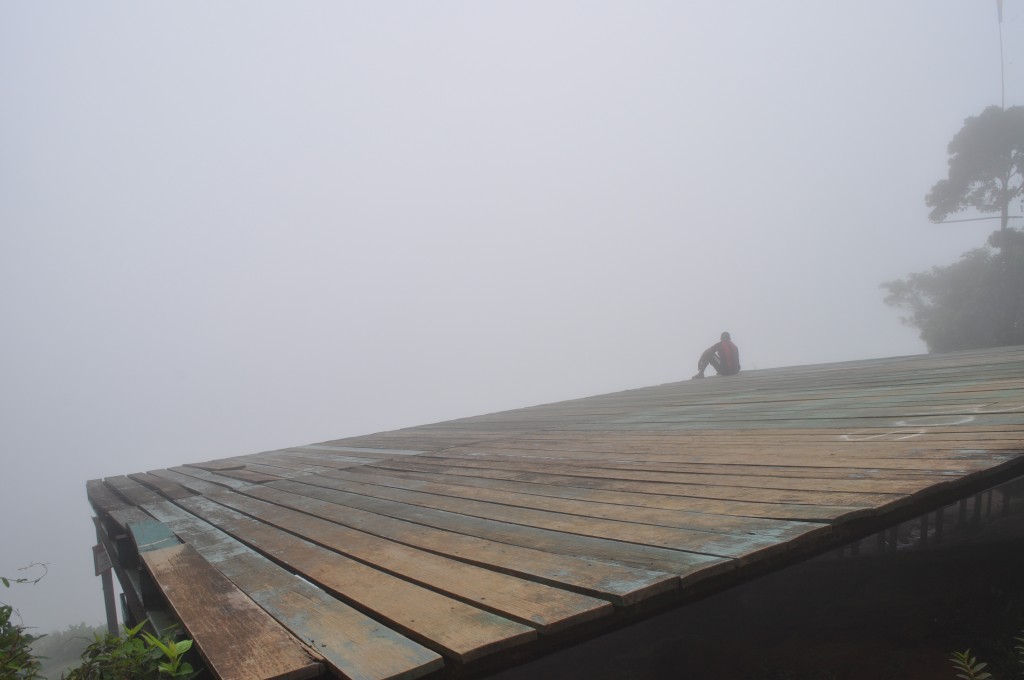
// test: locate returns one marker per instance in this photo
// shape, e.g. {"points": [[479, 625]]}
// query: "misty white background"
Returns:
{"points": [[237, 226]]}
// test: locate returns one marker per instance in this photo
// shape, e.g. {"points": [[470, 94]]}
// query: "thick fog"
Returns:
{"points": [[238, 226]]}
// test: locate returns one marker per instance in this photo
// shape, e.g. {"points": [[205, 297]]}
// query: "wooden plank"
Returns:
{"points": [[131, 490], [236, 638], [278, 471], [737, 546], [787, 448], [620, 585], [327, 446], [321, 454], [164, 487], [232, 463], [290, 457], [449, 485], [125, 516], [716, 482], [713, 508], [193, 484], [455, 629], [400, 504], [865, 502], [966, 462], [534, 604], [151, 535], [253, 476], [724, 458], [957, 468], [103, 500], [354, 646], [207, 476]]}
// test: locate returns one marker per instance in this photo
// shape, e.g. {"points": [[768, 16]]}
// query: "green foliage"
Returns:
{"points": [[969, 667], [974, 303], [8, 582], [986, 166], [977, 302], [174, 652], [138, 655], [16, 659]]}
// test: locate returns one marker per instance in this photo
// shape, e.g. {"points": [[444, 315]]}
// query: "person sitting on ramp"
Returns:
{"points": [[724, 356]]}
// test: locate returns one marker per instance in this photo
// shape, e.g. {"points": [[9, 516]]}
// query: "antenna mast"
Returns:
{"points": [[1002, 67]]}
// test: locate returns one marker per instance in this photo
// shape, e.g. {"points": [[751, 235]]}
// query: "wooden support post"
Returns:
{"points": [[1005, 488], [108, 584], [128, 576], [988, 503], [940, 515], [961, 522], [108, 602], [976, 516]]}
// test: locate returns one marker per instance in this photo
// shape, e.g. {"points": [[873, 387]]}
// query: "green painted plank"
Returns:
{"points": [[453, 628], [151, 535], [544, 607], [402, 504], [353, 645], [620, 585]]}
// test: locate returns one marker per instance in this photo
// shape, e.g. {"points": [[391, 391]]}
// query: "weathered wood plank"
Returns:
{"points": [[328, 446], [689, 505], [193, 484], [534, 604], [451, 627], [864, 448], [290, 457], [247, 475], [402, 504], [164, 487], [207, 476], [620, 585], [125, 516], [737, 546], [352, 644], [151, 535], [721, 457], [103, 500], [236, 638], [741, 484], [134, 492], [865, 502], [786, 530]]}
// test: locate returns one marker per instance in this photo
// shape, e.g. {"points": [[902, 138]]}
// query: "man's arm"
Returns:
{"points": [[705, 358]]}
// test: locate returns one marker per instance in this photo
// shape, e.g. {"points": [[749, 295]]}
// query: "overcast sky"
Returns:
{"points": [[227, 227]]}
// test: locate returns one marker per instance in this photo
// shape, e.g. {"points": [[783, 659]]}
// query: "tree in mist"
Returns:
{"points": [[986, 166], [977, 301], [973, 303]]}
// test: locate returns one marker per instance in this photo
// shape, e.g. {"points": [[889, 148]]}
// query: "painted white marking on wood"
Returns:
{"points": [[938, 416]]}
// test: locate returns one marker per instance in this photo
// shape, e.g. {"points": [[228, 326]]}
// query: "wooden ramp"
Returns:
{"points": [[465, 547]]}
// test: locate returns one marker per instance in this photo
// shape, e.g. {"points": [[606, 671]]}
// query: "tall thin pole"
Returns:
{"points": [[1002, 67]]}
